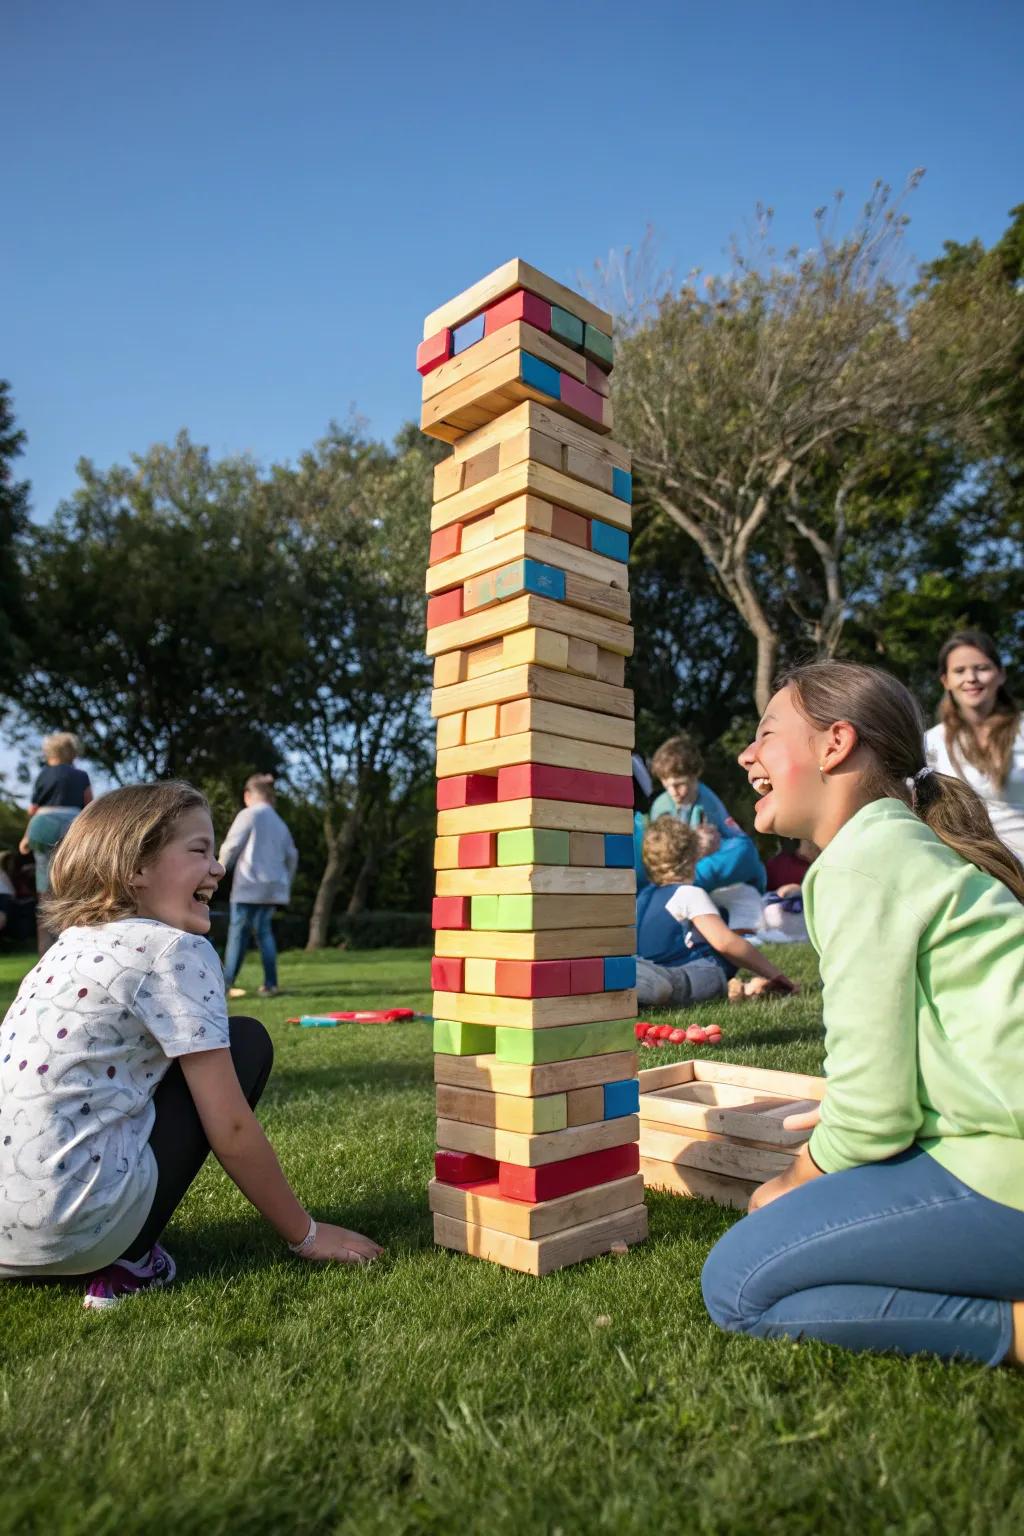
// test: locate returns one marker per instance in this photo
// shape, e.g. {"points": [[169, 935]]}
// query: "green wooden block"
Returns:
{"points": [[533, 845], [597, 345], [566, 327], [483, 912], [550, 1113], [515, 914], [454, 1039], [569, 1042]]}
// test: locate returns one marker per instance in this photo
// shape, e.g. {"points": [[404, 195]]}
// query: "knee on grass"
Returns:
{"points": [[723, 1284], [252, 1049]]}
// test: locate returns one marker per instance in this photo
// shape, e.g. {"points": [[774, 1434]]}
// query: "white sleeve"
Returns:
{"points": [[689, 901], [180, 1000]]}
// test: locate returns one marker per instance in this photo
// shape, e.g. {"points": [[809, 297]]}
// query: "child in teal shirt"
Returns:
{"points": [[900, 1225]]}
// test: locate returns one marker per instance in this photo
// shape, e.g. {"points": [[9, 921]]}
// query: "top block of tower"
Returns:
{"points": [[504, 280]]}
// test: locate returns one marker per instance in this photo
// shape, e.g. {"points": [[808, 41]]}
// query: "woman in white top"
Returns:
{"points": [[980, 734]]}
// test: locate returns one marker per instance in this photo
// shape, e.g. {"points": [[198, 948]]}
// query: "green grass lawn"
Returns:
{"points": [[437, 1393]]}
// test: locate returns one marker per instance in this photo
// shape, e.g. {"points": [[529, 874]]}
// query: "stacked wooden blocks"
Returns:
{"points": [[528, 622], [713, 1129]]}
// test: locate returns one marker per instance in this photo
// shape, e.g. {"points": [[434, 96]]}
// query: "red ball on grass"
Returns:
{"points": [[696, 1035], [677, 1037]]}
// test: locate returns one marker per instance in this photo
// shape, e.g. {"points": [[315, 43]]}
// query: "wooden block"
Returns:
{"points": [[619, 971], [546, 420], [769, 1080], [504, 280], [456, 1037], [570, 527], [466, 789], [518, 306], [729, 1110], [515, 913], [597, 344], [525, 781], [587, 975], [511, 580], [521, 715], [481, 724], [530, 445], [605, 540], [450, 912], [447, 975], [451, 731], [517, 815], [598, 597], [622, 484], [492, 1076], [434, 350], [445, 608], [448, 669], [543, 1255], [530, 647], [611, 668], [566, 1177], [446, 853], [585, 848], [446, 542], [504, 1111], [476, 850], [529, 845], [483, 912], [532, 748], [575, 395], [531, 978], [621, 1098], [534, 1013], [585, 1105], [479, 975], [529, 478], [553, 944], [619, 851], [589, 467], [697, 1182], [484, 464], [469, 401], [515, 337], [695, 1149], [480, 1204], [537, 1151], [597, 379], [567, 326], [485, 558], [534, 1047], [463, 1167], [529, 611]]}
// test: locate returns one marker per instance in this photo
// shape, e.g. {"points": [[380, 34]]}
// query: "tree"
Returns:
{"points": [[762, 411], [14, 522]]}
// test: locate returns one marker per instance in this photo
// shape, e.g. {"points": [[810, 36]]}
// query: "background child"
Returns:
{"points": [[120, 1070], [679, 764], [686, 953], [261, 851], [60, 791], [900, 1226]]}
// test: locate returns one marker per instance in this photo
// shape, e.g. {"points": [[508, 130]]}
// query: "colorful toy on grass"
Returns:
{"points": [[368, 1016], [653, 1035]]}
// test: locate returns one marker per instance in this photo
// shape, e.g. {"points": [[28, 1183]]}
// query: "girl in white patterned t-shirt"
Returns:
{"points": [[119, 1068]]}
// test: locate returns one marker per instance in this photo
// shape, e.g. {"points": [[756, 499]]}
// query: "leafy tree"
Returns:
{"points": [[14, 521]]}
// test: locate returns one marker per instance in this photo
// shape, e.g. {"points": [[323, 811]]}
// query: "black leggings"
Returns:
{"points": [[178, 1140]]}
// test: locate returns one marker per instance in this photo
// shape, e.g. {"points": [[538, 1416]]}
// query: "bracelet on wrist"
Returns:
{"points": [[307, 1242]]}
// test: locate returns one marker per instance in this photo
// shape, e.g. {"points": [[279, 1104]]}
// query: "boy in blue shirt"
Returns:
{"points": [[678, 764]]}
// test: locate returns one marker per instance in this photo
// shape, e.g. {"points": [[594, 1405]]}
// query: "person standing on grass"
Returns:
{"points": [[261, 851], [120, 1069], [900, 1225], [980, 734], [60, 791]]}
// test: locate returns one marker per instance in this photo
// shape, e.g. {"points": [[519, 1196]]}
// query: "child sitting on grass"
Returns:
{"points": [[900, 1225], [686, 952], [120, 1069]]}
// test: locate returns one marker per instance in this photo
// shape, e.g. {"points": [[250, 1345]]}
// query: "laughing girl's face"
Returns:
{"points": [[176, 886], [782, 764]]}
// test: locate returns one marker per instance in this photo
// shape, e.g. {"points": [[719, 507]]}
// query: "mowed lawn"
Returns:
{"points": [[436, 1393]]}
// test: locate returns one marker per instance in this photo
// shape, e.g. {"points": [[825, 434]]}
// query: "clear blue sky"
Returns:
{"points": [[232, 216]]}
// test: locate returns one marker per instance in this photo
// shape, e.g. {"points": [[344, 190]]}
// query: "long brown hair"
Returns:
{"points": [[888, 722], [92, 870], [994, 755]]}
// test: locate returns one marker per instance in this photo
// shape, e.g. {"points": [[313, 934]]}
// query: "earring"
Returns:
{"points": [[821, 773]]}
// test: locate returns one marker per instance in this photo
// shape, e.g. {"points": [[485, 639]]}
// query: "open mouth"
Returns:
{"points": [[203, 896], [761, 785]]}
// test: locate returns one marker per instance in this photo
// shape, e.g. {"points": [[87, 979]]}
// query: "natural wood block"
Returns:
{"points": [[519, 715], [536, 1046], [531, 612], [767, 1080], [451, 731], [547, 421], [523, 544], [446, 853], [480, 467], [697, 1182], [532, 747], [503, 1111], [572, 1173], [481, 725], [517, 336], [543, 1255], [491, 390], [479, 975], [526, 781], [543, 879], [492, 1076], [584, 848], [553, 944], [536, 1151], [519, 514], [585, 1105], [528, 647], [728, 1109], [528, 478], [476, 850], [506, 279], [529, 914], [479, 1204], [535, 1013], [587, 466], [695, 1149], [536, 814]]}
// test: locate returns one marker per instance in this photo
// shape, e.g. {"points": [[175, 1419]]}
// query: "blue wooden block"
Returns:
{"points": [[467, 335], [621, 1098], [619, 850], [622, 485], [606, 540], [619, 972], [540, 375], [546, 581]]}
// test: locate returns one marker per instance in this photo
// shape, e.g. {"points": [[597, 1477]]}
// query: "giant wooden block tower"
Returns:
{"points": [[528, 622]]}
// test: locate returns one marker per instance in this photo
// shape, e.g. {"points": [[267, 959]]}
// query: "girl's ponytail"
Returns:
{"points": [[888, 722]]}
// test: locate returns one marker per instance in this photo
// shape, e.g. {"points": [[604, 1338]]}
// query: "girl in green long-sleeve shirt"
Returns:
{"points": [[900, 1225]]}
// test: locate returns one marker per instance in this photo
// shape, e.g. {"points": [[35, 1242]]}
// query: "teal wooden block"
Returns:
{"points": [[540, 375], [598, 346], [622, 485], [566, 327], [609, 541]]}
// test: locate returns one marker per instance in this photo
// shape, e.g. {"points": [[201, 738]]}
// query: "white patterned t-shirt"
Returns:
{"points": [[83, 1048]]}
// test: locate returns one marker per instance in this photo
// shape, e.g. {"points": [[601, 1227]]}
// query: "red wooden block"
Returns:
{"points": [[565, 1178], [528, 781], [587, 975], [464, 1167], [532, 978], [518, 306], [446, 974], [430, 354], [449, 912], [470, 789], [597, 379], [445, 543], [445, 608], [587, 401], [570, 527], [478, 850]]}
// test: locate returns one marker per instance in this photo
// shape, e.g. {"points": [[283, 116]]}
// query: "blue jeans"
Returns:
{"points": [[889, 1256], [256, 917]]}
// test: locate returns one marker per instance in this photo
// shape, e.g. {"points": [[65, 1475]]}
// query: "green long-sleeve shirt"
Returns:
{"points": [[922, 960]]}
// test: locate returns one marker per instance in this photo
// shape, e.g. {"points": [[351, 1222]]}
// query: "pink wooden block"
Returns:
{"points": [[586, 976], [532, 978], [587, 401], [518, 306]]}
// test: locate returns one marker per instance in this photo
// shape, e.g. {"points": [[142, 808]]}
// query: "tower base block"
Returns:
{"points": [[542, 1255]]}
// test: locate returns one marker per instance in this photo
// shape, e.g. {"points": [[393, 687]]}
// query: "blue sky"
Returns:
{"points": [[232, 217]]}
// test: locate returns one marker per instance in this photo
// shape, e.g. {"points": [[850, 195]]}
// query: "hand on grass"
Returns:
{"points": [[341, 1246]]}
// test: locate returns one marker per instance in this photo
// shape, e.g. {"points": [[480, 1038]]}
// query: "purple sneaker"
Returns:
{"points": [[112, 1285]]}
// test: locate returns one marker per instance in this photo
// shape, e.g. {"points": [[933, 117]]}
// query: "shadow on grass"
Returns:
{"points": [[800, 1034], [400, 1075]]}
